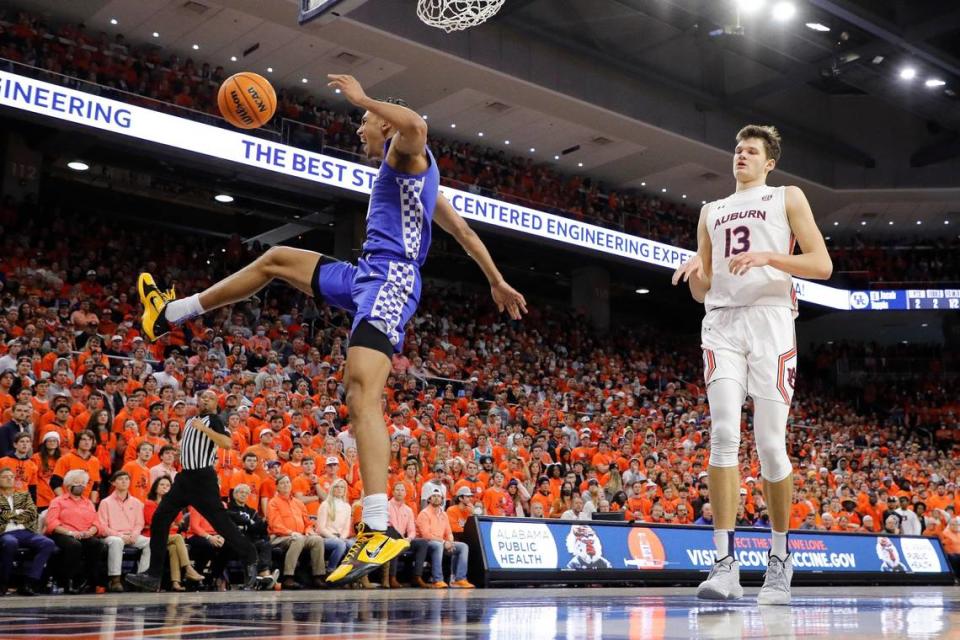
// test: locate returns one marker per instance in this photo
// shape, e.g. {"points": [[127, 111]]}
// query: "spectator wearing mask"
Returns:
{"points": [[73, 524]]}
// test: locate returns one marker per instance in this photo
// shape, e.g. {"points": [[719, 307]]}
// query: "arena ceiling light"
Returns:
{"points": [[304, 80], [556, 157], [113, 21], [934, 82], [783, 11], [156, 35], [908, 73], [196, 47], [78, 165], [480, 134], [816, 26], [643, 291], [533, 150], [233, 58], [269, 69], [453, 125], [224, 198]]}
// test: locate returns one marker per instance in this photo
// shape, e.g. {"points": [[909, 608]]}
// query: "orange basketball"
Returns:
{"points": [[247, 100]]}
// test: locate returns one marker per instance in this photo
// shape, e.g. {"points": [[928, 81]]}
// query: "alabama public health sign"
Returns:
{"points": [[70, 105], [589, 545]]}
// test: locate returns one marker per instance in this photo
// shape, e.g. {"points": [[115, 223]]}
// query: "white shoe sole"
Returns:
{"points": [[710, 592]]}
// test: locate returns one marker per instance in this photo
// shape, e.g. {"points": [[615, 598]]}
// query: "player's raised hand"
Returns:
{"points": [[743, 262], [349, 86], [692, 267], [509, 299]]}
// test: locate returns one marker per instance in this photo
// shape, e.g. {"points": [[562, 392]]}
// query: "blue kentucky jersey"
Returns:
{"points": [[401, 211]]}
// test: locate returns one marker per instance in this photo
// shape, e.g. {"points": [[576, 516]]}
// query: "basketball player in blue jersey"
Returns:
{"points": [[382, 292]]}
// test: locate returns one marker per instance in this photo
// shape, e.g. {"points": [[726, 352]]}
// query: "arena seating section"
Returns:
{"points": [[549, 376], [145, 74]]}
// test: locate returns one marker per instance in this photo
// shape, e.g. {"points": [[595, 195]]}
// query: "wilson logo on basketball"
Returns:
{"points": [[240, 109]]}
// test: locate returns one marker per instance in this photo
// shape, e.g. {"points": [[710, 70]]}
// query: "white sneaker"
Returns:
{"points": [[776, 581], [723, 583]]}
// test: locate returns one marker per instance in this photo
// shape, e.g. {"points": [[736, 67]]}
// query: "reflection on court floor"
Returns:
{"points": [[514, 614]]}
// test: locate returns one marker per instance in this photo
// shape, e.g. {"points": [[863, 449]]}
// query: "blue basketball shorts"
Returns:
{"points": [[382, 291]]}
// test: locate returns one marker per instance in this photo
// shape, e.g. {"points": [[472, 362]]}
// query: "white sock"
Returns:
{"points": [[180, 310], [779, 547], [723, 541], [375, 511]]}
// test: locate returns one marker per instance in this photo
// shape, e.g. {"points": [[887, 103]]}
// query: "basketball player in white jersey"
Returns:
{"points": [[743, 272]]}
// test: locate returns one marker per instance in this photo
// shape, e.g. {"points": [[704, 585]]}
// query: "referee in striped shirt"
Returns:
{"points": [[196, 485]]}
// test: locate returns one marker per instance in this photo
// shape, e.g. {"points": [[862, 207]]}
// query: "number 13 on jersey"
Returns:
{"points": [[737, 241]]}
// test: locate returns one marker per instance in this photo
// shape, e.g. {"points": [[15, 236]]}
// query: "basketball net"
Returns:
{"points": [[456, 15]]}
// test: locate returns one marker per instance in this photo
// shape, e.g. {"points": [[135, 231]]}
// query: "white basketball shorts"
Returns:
{"points": [[756, 346]]}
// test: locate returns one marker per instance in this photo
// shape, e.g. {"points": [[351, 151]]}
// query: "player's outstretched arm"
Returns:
{"points": [[506, 297], [698, 269], [813, 263], [411, 128]]}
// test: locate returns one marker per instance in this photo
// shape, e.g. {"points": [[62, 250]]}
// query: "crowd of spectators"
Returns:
{"points": [[541, 418], [145, 74], [137, 72], [932, 261]]}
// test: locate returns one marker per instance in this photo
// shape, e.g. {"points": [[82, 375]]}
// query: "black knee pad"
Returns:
{"points": [[367, 335]]}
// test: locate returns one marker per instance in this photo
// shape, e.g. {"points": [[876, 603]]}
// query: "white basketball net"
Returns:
{"points": [[456, 15]]}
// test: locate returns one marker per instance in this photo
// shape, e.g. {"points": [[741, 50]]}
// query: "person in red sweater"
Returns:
{"points": [[177, 552]]}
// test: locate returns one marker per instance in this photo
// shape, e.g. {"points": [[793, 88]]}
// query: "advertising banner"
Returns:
{"points": [[229, 145], [556, 545]]}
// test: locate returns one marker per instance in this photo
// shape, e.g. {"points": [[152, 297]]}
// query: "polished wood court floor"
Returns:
{"points": [[514, 614]]}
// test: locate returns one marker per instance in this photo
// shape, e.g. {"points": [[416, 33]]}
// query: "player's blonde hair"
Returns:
{"points": [[767, 133]]}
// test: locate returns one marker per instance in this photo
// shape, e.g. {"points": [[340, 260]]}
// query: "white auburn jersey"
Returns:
{"points": [[751, 220]]}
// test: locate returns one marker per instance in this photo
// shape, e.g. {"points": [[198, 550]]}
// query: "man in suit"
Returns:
{"points": [[18, 523], [19, 423]]}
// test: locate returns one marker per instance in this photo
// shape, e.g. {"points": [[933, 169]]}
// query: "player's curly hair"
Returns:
{"points": [[767, 133]]}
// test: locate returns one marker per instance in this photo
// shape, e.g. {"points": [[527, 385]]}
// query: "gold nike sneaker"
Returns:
{"points": [[372, 549], [154, 302]]}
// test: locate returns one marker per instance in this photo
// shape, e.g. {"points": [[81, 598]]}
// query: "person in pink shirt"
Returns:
{"points": [[401, 519], [333, 522], [434, 525], [73, 524], [121, 525]]}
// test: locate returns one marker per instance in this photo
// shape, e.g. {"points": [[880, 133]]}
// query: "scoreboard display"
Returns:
{"points": [[905, 299]]}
